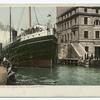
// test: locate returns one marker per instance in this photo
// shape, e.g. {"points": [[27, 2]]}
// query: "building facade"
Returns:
{"points": [[78, 31]]}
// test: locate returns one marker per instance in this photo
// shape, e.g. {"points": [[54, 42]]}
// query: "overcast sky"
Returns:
{"points": [[20, 18], [20, 15]]}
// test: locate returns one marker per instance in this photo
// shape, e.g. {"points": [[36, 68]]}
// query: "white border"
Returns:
{"points": [[50, 91], [50, 1]]}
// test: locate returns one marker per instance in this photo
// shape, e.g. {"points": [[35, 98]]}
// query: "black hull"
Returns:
{"points": [[41, 51]]}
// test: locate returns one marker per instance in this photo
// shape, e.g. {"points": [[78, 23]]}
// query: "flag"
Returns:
{"points": [[49, 15]]}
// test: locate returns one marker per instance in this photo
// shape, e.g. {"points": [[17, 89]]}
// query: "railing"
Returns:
{"points": [[79, 49]]}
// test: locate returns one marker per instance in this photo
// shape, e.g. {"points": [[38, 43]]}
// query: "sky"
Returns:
{"points": [[20, 18], [20, 15]]}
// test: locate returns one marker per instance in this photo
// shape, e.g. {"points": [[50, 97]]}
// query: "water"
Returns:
{"points": [[59, 75]]}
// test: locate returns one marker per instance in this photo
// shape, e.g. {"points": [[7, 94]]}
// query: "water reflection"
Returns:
{"points": [[59, 75]]}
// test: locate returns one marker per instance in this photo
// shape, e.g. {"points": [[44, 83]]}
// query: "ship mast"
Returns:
{"points": [[10, 22], [29, 16]]}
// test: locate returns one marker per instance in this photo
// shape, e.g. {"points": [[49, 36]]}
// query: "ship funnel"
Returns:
{"points": [[14, 34], [30, 17]]}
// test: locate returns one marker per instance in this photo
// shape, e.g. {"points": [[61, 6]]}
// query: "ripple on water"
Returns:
{"points": [[60, 75]]}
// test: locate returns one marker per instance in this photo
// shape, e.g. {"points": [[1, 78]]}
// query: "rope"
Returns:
{"points": [[36, 16]]}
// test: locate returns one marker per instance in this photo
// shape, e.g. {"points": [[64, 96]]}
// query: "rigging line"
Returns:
{"points": [[52, 11], [53, 14], [36, 16], [11, 16], [21, 17], [39, 12]]}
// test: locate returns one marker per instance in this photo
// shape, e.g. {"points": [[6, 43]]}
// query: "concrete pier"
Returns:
{"points": [[3, 75]]}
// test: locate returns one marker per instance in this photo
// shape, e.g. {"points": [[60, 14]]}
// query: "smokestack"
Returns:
{"points": [[29, 16]]}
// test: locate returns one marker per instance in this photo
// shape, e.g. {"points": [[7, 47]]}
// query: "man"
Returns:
{"points": [[6, 63]]}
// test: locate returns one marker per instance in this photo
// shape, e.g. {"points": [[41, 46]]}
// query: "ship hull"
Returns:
{"points": [[36, 52]]}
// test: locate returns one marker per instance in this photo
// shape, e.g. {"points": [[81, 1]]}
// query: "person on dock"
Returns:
{"points": [[85, 56], [10, 73], [91, 57], [6, 63]]}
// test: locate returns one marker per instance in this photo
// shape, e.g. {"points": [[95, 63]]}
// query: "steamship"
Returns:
{"points": [[35, 46]]}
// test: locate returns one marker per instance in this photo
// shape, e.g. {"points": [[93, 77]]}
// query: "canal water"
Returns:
{"points": [[59, 75]]}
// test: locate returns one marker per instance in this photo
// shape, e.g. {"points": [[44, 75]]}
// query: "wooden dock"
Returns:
{"points": [[69, 61]]}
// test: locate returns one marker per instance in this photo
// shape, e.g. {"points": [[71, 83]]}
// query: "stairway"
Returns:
{"points": [[78, 48]]}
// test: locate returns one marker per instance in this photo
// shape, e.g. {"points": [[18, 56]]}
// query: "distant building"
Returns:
{"points": [[78, 31], [14, 34]]}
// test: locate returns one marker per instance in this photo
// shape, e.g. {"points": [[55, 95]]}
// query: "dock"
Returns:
{"points": [[69, 61]]}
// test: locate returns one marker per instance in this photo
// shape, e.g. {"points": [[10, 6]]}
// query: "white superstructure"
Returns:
{"points": [[36, 31]]}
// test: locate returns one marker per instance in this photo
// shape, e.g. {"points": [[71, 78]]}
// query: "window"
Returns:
{"points": [[65, 25], [75, 21], [74, 33], [65, 38], [70, 13], [97, 22], [62, 17], [68, 24], [62, 39], [68, 36], [85, 20], [75, 11], [85, 34], [66, 15], [97, 11], [86, 48], [62, 26], [85, 9], [96, 34], [71, 23]]}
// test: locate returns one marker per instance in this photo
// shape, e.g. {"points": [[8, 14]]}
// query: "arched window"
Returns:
{"points": [[65, 37], [68, 36], [61, 39], [96, 22]]}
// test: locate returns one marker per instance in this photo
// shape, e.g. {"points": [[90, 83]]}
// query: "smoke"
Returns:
{"points": [[4, 27], [4, 34]]}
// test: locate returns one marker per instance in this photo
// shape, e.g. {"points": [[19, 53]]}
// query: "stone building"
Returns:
{"points": [[78, 31]]}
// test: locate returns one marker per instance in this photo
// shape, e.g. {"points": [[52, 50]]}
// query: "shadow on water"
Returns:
{"points": [[36, 76], [59, 75]]}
